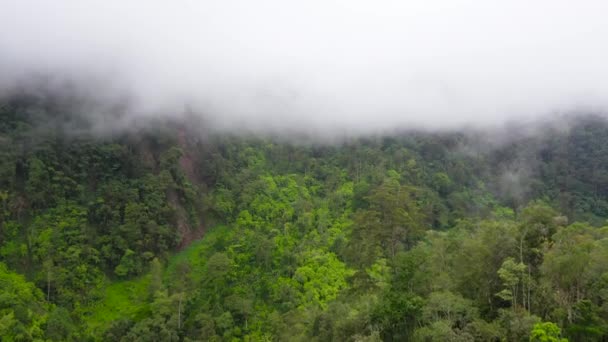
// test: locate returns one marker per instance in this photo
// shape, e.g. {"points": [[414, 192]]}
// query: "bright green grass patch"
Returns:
{"points": [[120, 300], [195, 254], [128, 298]]}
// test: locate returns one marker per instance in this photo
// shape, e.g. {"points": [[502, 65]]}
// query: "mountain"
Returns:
{"points": [[170, 232]]}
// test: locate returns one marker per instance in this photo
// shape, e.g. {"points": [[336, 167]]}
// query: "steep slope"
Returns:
{"points": [[158, 233]]}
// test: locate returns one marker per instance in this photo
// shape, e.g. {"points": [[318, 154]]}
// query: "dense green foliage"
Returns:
{"points": [[410, 237]]}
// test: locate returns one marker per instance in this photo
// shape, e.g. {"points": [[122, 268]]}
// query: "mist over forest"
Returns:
{"points": [[341, 67], [319, 171]]}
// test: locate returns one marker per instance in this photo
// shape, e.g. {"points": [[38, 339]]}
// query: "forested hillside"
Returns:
{"points": [[165, 233]]}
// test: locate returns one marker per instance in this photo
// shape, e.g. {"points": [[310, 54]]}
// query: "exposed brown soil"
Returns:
{"points": [[188, 234]]}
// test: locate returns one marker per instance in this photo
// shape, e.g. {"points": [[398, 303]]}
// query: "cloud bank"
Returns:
{"points": [[336, 65]]}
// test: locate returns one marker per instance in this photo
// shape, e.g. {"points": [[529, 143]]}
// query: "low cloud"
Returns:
{"points": [[337, 67]]}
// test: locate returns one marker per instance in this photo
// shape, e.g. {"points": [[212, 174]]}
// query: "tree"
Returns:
{"points": [[217, 269], [129, 265], [511, 273], [451, 308], [566, 266], [156, 280], [392, 222], [546, 332], [486, 246], [60, 326], [22, 307]]}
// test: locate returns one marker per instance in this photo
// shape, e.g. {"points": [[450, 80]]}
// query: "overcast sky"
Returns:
{"points": [[310, 65]]}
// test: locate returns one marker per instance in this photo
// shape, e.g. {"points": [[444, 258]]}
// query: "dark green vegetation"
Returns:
{"points": [[159, 236]]}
